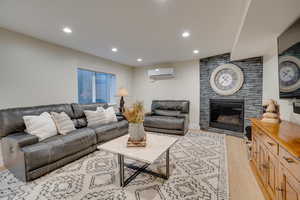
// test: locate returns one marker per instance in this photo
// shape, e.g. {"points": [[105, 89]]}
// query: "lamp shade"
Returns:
{"points": [[122, 92]]}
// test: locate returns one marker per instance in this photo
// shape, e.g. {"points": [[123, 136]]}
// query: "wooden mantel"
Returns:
{"points": [[287, 134]]}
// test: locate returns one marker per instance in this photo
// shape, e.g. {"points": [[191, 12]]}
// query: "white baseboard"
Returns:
{"points": [[1, 158], [194, 126]]}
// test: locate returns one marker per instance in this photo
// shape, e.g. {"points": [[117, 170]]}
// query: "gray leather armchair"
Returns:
{"points": [[168, 116], [28, 158]]}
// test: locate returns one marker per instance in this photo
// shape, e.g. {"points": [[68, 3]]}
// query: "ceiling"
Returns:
{"points": [[263, 22], [152, 29], [147, 29]]}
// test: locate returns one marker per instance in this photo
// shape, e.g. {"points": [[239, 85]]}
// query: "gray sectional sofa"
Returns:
{"points": [[168, 116], [27, 158]]}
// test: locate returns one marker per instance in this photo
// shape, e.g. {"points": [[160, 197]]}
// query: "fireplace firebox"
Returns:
{"points": [[227, 114]]}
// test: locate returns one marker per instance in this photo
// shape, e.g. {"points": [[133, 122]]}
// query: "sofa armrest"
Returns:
{"points": [[119, 114], [149, 114], [23, 139], [182, 115], [186, 120], [13, 156], [120, 117]]}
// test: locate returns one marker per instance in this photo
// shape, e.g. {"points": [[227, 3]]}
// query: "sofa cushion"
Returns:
{"points": [[109, 131], [122, 124], [78, 139], [43, 153], [164, 122], [123, 127], [11, 120], [58, 147], [179, 105], [171, 113]]}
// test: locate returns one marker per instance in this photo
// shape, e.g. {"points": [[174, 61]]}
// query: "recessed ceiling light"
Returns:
{"points": [[114, 49], [196, 51], [67, 30], [139, 60], [185, 34]]}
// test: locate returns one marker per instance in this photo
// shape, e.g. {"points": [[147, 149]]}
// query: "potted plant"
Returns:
{"points": [[135, 117]]}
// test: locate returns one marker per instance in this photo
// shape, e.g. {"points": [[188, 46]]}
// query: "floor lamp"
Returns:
{"points": [[122, 92]]}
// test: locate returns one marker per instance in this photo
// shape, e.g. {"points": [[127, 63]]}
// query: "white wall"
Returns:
{"points": [[185, 86], [271, 84], [34, 72]]}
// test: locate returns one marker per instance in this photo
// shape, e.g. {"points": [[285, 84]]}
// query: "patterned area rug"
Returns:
{"points": [[198, 163]]}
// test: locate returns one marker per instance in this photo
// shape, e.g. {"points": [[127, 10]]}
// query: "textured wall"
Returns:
{"points": [[251, 90]]}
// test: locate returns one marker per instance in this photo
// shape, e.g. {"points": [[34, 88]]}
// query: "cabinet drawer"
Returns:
{"points": [[256, 132], [290, 162], [270, 144]]}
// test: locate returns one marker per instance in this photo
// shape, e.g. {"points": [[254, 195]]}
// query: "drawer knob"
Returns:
{"points": [[279, 189], [288, 160], [271, 144], [265, 166]]}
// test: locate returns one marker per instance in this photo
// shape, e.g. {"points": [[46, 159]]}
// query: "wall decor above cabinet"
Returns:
{"points": [[226, 79], [289, 62]]}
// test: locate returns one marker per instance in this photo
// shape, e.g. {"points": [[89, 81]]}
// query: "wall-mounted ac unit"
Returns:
{"points": [[161, 73]]}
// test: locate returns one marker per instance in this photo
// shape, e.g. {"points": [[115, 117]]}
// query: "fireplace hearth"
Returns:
{"points": [[227, 114]]}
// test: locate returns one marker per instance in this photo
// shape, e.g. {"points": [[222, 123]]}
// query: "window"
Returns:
{"points": [[96, 87]]}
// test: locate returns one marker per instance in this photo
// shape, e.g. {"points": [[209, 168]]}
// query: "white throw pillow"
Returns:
{"points": [[63, 122], [41, 126], [95, 117], [110, 115]]}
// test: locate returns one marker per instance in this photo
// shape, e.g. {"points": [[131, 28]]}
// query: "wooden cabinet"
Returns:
{"points": [[271, 170], [275, 156], [254, 151], [288, 186], [262, 165]]}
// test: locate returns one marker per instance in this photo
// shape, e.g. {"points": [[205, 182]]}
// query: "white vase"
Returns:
{"points": [[136, 131]]}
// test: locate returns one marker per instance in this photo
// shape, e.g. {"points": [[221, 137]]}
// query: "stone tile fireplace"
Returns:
{"points": [[232, 116], [227, 114]]}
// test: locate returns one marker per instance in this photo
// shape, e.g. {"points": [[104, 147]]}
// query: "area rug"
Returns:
{"points": [[198, 171]]}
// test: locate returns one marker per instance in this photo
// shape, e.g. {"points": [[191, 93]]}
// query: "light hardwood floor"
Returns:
{"points": [[242, 182]]}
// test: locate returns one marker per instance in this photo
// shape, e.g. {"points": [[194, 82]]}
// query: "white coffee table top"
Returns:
{"points": [[156, 146]]}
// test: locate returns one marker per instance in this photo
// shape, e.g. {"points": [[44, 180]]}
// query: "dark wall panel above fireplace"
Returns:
{"points": [[251, 90]]}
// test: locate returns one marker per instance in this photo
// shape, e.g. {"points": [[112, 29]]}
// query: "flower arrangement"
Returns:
{"points": [[135, 114]]}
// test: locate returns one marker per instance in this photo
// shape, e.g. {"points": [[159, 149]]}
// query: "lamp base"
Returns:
{"points": [[122, 103]]}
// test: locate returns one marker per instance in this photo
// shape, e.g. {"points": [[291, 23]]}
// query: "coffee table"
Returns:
{"points": [[156, 146]]}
